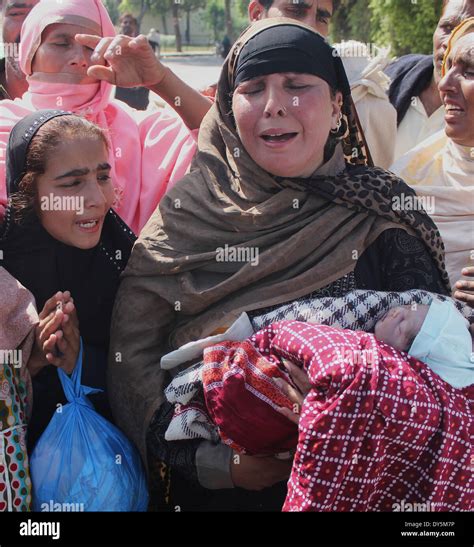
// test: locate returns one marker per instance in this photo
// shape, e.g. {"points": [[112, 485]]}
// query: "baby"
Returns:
{"points": [[436, 334]]}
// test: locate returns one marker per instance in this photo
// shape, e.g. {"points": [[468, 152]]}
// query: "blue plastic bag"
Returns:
{"points": [[84, 463]]}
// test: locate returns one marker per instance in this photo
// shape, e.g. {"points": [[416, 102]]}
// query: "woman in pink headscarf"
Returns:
{"points": [[60, 43]]}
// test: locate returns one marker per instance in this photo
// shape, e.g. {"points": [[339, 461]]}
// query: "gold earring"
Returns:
{"points": [[338, 125]]}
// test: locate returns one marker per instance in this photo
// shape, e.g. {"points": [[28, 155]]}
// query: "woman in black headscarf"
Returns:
{"points": [[63, 242], [280, 176]]}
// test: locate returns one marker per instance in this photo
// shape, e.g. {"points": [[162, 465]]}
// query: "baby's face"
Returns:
{"points": [[399, 326]]}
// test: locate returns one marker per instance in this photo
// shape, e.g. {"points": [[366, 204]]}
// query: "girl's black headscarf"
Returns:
{"points": [[44, 265]]}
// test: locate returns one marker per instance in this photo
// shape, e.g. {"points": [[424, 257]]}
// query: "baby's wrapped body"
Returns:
{"points": [[239, 367], [376, 427]]}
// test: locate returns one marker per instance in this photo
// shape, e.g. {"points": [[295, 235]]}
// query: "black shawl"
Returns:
{"points": [[410, 75], [44, 265]]}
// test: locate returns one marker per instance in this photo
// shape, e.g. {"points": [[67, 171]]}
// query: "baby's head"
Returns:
{"points": [[399, 326]]}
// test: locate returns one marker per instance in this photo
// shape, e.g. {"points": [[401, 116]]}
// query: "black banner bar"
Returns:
{"points": [[315, 529]]}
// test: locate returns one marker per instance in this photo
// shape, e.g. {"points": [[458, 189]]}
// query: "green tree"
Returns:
{"points": [[139, 8], [406, 25], [214, 16], [156, 7], [113, 9], [188, 7], [242, 7], [177, 30], [222, 16], [228, 19], [351, 20], [240, 16], [360, 21]]}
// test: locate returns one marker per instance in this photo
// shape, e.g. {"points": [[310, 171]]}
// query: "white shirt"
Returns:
{"points": [[442, 174], [416, 126], [368, 82]]}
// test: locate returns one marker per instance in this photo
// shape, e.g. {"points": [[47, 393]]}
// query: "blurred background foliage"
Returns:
{"points": [[405, 25]]}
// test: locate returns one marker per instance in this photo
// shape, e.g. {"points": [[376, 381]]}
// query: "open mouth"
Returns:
{"points": [[279, 137], [90, 225], [453, 109]]}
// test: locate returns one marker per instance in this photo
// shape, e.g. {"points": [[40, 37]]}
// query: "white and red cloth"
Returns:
{"points": [[378, 427], [231, 396]]}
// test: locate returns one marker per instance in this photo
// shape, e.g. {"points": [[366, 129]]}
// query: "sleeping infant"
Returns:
{"points": [[436, 334]]}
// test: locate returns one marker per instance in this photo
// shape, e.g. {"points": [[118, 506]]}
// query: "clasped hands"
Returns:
{"points": [[57, 337]]}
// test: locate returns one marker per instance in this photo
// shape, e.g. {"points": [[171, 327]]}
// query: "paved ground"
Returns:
{"points": [[197, 71]]}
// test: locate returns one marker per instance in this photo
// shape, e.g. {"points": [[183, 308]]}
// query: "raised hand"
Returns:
{"points": [[123, 61], [131, 62]]}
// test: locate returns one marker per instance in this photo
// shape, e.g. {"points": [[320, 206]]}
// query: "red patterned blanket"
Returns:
{"points": [[379, 431]]}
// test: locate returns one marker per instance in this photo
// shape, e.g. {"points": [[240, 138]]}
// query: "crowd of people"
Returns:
{"points": [[271, 283]]}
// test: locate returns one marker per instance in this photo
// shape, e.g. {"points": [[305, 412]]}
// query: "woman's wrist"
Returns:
{"points": [[162, 78], [36, 362]]}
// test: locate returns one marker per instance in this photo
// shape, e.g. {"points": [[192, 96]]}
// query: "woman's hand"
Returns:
{"points": [[57, 335], [65, 343], [464, 290], [131, 62], [123, 61], [301, 381], [49, 323], [257, 473]]}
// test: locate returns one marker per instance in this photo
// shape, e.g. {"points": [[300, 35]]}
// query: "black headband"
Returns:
{"points": [[20, 138], [291, 48]]}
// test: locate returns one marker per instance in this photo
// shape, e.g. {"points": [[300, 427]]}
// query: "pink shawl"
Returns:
{"points": [[147, 157]]}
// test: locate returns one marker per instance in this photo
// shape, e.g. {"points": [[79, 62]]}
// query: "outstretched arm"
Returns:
{"points": [[130, 62]]}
